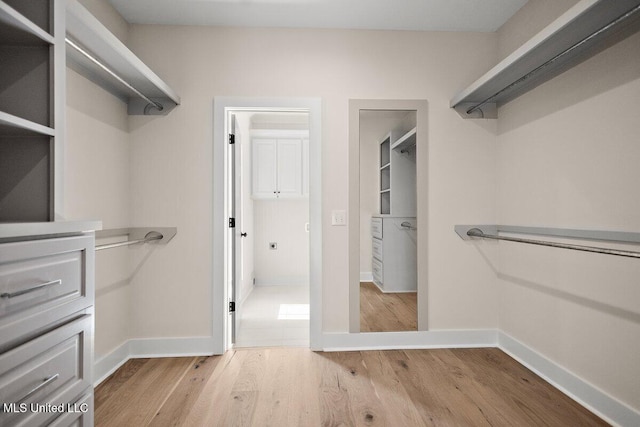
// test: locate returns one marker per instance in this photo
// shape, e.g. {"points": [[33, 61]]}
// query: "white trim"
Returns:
{"points": [[109, 363], [410, 340], [218, 239], [608, 408], [284, 133], [366, 276], [284, 281]]}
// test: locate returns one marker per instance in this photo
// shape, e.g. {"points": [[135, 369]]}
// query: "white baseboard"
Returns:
{"points": [[287, 281], [366, 276], [150, 347], [409, 340], [608, 408]]}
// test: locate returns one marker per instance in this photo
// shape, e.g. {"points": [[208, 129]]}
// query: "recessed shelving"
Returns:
{"points": [[15, 28], [11, 125]]}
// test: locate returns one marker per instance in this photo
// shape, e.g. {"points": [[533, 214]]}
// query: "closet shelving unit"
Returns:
{"points": [[110, 64], [397, 174], [385, 175], [584, 30], [31, 109]]}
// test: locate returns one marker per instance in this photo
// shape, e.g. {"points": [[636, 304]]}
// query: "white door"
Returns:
{"points": [[289, 166]]}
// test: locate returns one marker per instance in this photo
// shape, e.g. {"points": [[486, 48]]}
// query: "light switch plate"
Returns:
{"points": [[338, 217]]}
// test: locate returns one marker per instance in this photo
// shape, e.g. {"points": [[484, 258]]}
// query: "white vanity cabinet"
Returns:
{"points": [[394, 248], [46, 325], [279, 167]]}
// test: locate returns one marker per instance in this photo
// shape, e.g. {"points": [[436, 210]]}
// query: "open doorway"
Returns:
{"points": [[223, 318], [269, 241]]}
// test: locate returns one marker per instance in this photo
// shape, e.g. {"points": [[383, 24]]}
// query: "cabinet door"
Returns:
{"points": [[289, 155], [264, 173]]}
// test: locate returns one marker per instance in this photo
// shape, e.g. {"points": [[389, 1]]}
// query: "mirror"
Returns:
{"points": [[388, 289]]}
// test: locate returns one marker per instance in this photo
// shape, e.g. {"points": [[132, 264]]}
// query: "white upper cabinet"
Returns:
{"points": [[264, 168], [279, 167]]}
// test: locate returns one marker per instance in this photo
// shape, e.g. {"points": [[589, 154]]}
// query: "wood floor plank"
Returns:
{"points": [[212, 404], [112, 384], [354, 378], [297, 387], [146, 390], [385, 312], [176, 407], [392, 395]]}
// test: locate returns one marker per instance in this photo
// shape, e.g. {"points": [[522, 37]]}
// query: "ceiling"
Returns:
{"points": [[418, 15]]}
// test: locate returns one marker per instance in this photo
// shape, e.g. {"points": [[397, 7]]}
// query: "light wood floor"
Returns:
{"points": [[297, 387], [380, 312]]}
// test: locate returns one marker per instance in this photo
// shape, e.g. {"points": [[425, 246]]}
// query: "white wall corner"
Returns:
{"points": [[366, 276], [600, 403], [109, 363]]}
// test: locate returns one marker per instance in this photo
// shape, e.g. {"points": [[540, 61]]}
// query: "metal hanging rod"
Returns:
{"points": [[108, 70], [150, 237], [476, 232], [555, 58]]}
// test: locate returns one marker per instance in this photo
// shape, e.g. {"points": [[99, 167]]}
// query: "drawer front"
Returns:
{"points": [[377, 272], [80, 414], [376, 228], [377, 249], [42, 281], [51, 370]]}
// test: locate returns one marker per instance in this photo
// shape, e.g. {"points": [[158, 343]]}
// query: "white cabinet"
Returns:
{"points": [[279, 167], [46, 328], [394, 263]]}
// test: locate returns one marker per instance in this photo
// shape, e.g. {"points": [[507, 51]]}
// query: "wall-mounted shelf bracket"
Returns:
{"points": [[135, 235]]}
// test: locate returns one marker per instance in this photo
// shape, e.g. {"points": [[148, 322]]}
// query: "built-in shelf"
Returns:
{"points": [[385, 191], [385, 166], [16, 126], [86, 31], [584, 30], [29, 32], [405, 141]]}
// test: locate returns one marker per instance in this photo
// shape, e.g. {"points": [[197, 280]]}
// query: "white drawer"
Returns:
{"points": [[376, 228], [51, 370], [377, 272], [377, 248], [41, 282], [80, 414]]}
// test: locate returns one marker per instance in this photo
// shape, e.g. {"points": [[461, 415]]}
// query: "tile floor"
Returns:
{"points": [[274, 316]]}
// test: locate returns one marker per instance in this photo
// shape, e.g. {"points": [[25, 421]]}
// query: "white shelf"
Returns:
{"points": [[10, 124], [578, 31], [24, 230], [405, 141], [30, 32], [388, 190], [385, 166], [85, 30]]}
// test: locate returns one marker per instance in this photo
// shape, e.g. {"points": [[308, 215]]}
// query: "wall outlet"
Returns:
{"points": [[273, 246], [338, 217]]}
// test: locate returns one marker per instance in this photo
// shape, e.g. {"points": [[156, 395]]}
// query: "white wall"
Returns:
{"points": [[97, 181], [283, 222], [171, 183], [568, 157]]}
